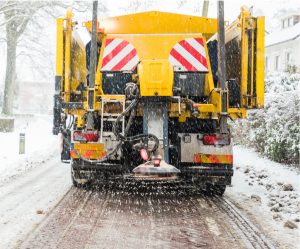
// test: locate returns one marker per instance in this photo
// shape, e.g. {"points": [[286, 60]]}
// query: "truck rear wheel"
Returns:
{"points": [[212, 189], [79, 180], [219, 189]]}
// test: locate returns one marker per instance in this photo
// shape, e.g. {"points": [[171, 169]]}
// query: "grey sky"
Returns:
{"points": [[116, 7], [232, 7]]}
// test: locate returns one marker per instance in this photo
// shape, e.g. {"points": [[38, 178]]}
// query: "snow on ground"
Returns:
{"points": [[266, 191], [40, 145], [269, 193], [28, 199], [30, 184]]}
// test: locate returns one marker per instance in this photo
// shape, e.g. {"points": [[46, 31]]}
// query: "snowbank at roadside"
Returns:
{"points": [[269, 193], [40, 145], [275, 130]]}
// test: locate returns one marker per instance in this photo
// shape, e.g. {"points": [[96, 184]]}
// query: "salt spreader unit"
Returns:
{"points": [[148, 95]]}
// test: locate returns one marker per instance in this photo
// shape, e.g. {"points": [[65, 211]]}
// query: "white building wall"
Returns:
{"points": [[281, 50]]}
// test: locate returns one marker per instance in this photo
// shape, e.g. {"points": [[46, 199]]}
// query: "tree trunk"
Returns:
{"points": [[11, 49]]}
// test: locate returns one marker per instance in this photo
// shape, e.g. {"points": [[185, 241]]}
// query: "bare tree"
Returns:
{"points": [[21, 21], [17, 15], [134, 6], [181, 3]]}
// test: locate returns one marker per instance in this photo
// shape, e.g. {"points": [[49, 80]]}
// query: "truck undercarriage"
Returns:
{"points": [[150, 103]]}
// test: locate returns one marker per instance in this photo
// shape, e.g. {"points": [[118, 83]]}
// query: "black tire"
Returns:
{"points": [[79, 182], [219, 190]]}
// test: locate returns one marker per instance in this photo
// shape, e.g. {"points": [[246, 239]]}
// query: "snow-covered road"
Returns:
{"points": [[26, 200], [269, 194], [266, 192]]}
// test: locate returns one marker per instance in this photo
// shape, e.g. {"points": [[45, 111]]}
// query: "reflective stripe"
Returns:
{"points": [[114, 51], [190, 55], [213, 159], [119, 55]]}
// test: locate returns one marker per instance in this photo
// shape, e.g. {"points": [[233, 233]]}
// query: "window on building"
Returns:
{"points": [[288, 61], [287, 22], [276, 62], [288, 58], [296, 19], [267, 64]]}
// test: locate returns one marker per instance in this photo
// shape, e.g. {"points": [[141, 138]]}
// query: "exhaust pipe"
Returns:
{"points": [[205, 8], [92, 69], [222, 67]]}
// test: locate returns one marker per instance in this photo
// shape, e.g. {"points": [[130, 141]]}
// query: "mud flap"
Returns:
{"points": [[65, 150]]}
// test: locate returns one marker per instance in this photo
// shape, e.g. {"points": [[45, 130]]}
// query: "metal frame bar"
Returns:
{"points": [[165, 131], [222, 67]]}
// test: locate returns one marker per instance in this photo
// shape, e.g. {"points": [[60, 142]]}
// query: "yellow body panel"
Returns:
{"points": [[235, 113], [154, 34], [260, 62], [156, 78], [245, 15], [88, 151], [213, 158], [59, 46], [68, 44], [155, 22], [205, 107]]}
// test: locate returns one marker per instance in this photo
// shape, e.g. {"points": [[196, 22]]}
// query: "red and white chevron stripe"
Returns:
{"points": [[189, 55], [119, 55]]}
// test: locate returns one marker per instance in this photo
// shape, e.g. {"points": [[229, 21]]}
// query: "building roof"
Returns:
{"points": [[283, 35], [290, 14]]}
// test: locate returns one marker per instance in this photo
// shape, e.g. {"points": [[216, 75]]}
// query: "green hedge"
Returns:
{"points": [[275, 130]]}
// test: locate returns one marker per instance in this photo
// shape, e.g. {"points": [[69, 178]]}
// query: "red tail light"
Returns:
{"points": [[83, 136], [156, 162], [144, 154], [216, 139], [209, 139]]}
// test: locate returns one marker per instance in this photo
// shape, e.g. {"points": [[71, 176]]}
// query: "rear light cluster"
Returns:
{"points": [[216, 139], [85, 136], [156, 162], [144, 154]]}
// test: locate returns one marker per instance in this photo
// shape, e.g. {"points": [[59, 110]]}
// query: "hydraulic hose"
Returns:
{"points": [[123, 138], [105, 158], [131, 117]]}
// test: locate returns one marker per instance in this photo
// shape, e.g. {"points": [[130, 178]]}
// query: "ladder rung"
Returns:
{"points": [[107, 96], [108, 114], [112, 119], [113, 101]]}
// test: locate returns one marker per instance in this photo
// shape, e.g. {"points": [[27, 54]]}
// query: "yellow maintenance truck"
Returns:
{"points": [[147, 96]]}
